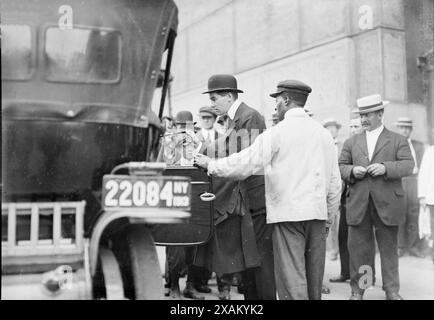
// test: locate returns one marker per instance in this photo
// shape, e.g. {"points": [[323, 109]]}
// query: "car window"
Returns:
{"points": [[82, 55]]}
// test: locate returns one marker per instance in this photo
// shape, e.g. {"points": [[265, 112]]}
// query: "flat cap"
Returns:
{"points": [[209, 110], [294, 86]]}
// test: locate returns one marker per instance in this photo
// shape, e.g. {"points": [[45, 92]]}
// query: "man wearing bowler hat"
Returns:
{"points": [[303, 187], [242, 239], [373, 164], [408, 233]]}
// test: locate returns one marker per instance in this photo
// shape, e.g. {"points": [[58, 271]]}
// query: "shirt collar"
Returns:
{"points": [[375, 131], [233, 109], [296, 112]]}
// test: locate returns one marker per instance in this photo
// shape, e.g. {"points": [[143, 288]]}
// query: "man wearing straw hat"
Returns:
{"points": [[408, 233], [373, 164]]}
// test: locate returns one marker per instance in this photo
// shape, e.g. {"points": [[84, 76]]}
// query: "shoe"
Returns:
{"points": [[356, 296], [224, 295], [333, 256], [416, 253], [175, 294], [339, 278], [191, 293], [401, 252], [325, 289], [203, 288], [393, 296]]}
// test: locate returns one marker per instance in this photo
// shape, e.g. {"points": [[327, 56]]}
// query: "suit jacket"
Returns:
{"points": [[252, 190], [386, 191]]}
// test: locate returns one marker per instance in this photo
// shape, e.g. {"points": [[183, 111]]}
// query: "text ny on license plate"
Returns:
{"points": [[121, 191]]}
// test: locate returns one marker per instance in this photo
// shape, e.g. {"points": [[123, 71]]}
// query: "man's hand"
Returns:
{"points": [[376, 169], [359, 172], [202, 160]]}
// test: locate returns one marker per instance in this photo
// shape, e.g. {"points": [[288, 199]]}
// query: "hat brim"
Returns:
{"points": [[372, 109], [208, 112], [399, 124], [274, 95], [223, 89]]}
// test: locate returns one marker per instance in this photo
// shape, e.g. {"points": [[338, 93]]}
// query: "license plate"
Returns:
{"points": [[120, 191]]}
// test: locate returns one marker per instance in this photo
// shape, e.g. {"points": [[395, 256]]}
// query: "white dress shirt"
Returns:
{"points": [[413, 153], [298, 158], [233, 109], [425, 183], [208, 134], [371, 140]]}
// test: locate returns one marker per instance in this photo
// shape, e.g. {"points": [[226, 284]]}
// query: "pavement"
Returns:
{"points": [[416, 277]]}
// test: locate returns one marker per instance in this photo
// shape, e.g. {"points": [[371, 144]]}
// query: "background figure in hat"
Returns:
{"points": [[179, 260], [242, 239], [207, 119], [303, 188], [408, 234], [373, 164], [355, 128], [332, 240]]}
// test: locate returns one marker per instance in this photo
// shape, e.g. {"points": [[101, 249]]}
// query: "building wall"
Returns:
{"points": [[343, 49]]}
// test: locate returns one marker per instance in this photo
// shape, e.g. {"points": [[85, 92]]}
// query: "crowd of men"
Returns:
{"points": [[286, 194]]}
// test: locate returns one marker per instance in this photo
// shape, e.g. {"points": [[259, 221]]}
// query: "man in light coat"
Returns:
{"points": [[302, 189]]}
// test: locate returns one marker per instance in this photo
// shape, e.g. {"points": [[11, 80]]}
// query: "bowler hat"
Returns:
{"points": [[292, 86], [370, 103], [404, 122], [222, 82], [209, 110], [183, 117], [331, 122]]}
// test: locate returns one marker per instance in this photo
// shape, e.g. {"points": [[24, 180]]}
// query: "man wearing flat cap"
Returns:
{"points": [[373, 164], [207, 118], [242, 239], [302, 189], [408, 233]]}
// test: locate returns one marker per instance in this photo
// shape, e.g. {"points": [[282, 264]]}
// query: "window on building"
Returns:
{"points": [[16, 52]]}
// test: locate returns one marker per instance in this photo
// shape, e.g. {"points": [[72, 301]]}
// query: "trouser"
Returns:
{"points": [[299, 259], [343, 242], [259, 283], [408, 232], [361, 245], [180, 262], [332, 239], [431, 208]]}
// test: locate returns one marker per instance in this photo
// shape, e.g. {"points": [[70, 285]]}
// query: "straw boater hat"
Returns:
{"points": [[404, 122], [331, 122], [370, 103]]}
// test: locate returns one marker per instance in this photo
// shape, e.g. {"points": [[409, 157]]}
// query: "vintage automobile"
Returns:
{"points": [[83, 200]]}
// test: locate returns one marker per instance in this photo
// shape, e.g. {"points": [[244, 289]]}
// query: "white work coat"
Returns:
{"points": [[298, 158]]}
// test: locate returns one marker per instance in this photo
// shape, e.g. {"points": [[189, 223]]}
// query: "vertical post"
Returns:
{"points": [[11, 228], [34, 226], [56, 226], [79, 213]]}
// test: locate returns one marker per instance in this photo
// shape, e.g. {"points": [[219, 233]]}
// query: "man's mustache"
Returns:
{"points": [[365, 123]]}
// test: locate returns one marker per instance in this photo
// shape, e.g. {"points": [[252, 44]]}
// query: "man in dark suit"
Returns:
{"points": [[373, 163], [240, 206], [408, 234]]}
